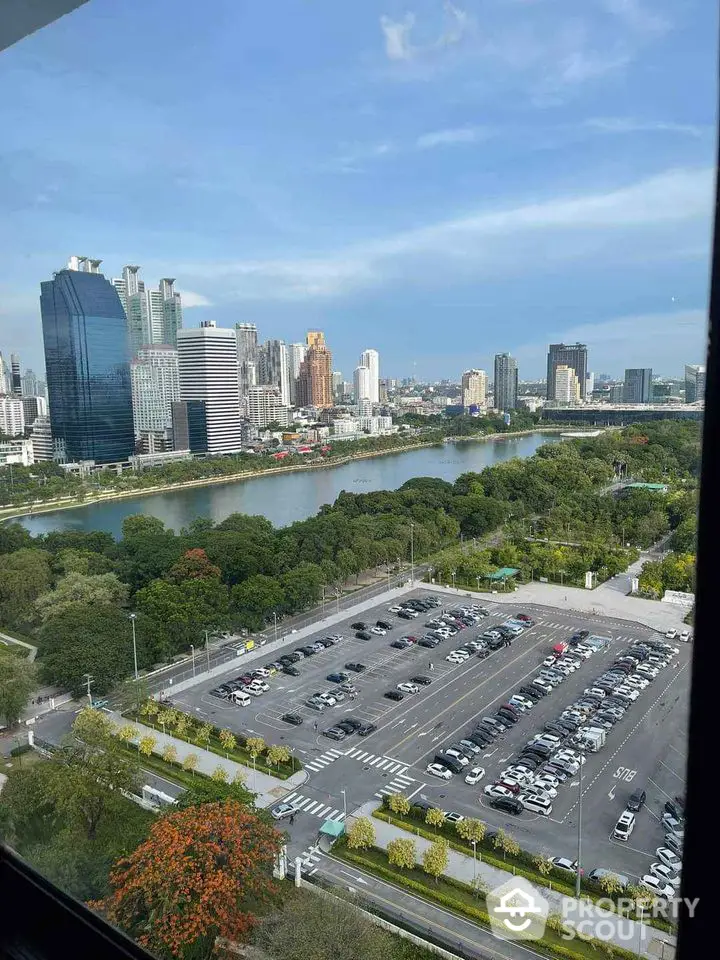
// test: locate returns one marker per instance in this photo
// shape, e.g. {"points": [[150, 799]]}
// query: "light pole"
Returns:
{"points": [[579, 835], [474, 846], [89, 680], [323, 599], [344, 796], [132, 621], [412, 552], [452, 574], [192, 653], [207, 650], [337, 599], [275, 623], [477, 580]]}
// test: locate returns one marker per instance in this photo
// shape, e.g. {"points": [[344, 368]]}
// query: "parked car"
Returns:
{"points": [[436, 770], [282, 811], [669, 858], [624, 826], [366, 729], [335, 733], [393, 695], [511, 805], [356, 667], [292, 718], [474, 775], [658, 887], [562, 863], [636, 799], [337, 677]]}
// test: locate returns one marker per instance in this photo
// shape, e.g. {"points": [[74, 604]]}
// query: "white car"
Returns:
{"points": [[378, 631], [562, 863], [669, 858], [624, 826], [495, 790], [640, 683], [327, 698], [549, 661], [262, 672], [519, 776], [665, 874], [437, 770], [583, 651], [408, 688], [395, 608], [648, 671], [657, 886], [469, 745], [626, 691], [253, 690], [260, 684], [545, 789], [671, 634], [546, 782], [685, 636], [475, 775], [521, 702], [456, 755], [595, 692], [455, 658]]}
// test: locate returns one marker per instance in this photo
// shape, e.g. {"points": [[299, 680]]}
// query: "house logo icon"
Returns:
{"points": [[517, 911]]}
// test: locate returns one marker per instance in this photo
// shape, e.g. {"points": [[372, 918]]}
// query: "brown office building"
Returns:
{"points": [[314, 383]]}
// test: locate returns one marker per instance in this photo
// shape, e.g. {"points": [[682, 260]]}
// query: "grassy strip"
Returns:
{"points": [[239, 754], [460, 899], [519, 867], [170, 771]]}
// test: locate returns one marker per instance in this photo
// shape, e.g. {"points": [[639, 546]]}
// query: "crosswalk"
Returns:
{"points": [[309, 860], [377, 761], [317, 763], [397, 785], [316, 808]]}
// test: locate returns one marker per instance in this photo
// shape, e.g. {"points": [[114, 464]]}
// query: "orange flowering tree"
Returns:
{"points": [[196, 878]]}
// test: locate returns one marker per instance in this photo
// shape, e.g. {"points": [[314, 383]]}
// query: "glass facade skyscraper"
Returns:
{"points": [[87, 360]]}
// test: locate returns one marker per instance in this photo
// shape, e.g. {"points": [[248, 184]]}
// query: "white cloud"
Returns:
{"points": [[397, 36], [191, 299], [637, 17], [653, 215], [628, 125], [438, 138]]}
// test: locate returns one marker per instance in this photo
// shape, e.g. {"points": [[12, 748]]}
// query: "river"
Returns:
{"points": [[288, 496]]}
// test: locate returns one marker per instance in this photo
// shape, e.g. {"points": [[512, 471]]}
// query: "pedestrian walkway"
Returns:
{"points": [[309, 859], [643, 939], [314, 807], [397, 785], [269, 789], [317, 763]]}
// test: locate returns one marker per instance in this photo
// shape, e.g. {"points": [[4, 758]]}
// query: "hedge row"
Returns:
{"points": [[552, 944], [282, 771], [516, 862]]}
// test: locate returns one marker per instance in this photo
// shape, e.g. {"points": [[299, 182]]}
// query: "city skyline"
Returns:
{"points": [[450, 175]]}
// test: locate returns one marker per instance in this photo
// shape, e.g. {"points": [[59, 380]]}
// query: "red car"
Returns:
{"points": [[411, 639], [512, 787], [524, 617]]}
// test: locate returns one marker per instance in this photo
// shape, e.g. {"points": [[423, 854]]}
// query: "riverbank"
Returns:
{"points": [[35, 509]]}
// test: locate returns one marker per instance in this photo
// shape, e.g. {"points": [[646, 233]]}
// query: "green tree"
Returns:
{"points": [[127, 733], [254, 600], [193, 565], [610, 884], [24, 575], [169, 753], [17, 681], [255, 746], [470, 829], [77, 589], [435, 818], [219, 774], [190, 762], [361, 834], [277, 754], [401, 853], [146, 744], [301, 586], [399, 803], [436, 858], [542, 864], [203, 734], [182, 611], [228, 740]]}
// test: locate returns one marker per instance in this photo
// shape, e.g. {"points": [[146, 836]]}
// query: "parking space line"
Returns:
{"points": [[650, 780], [670, 769]]}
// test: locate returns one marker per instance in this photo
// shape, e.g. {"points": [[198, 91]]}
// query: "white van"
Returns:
{"points": [[537, 804], [240, 698]]}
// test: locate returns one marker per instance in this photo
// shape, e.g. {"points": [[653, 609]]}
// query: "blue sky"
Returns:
{"points": [[439, 181]]}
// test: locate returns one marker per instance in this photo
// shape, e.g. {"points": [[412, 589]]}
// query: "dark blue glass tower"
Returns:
{"points": [[87, 359]]}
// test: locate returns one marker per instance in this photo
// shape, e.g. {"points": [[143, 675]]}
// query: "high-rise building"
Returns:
{"points": [[208, 368], [296, 355], [153, 316], [15, 376], [4, 376], [589, 384], [42, 441], [247, 350], [34, 407], [273, 368], [29, 383], [155, 379], [506, 382], [361, 384], [473, 388], [314, 383], [88, 365], [573, 355], [371, 360], [12, 416], [638, 385], [265, 406], [694, 383], [567, 384]]}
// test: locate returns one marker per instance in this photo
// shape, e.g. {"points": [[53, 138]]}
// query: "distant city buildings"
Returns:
{"points": [[209, 388], [153, 316], [15, 378], [155, 379], [12, 416], [273, 368], [361, 384], [296, 354], [265, 406], [694, 383], [34, 407], [567, 385], [572, 355], [87, 362], [473, 387], [247, 353], [371, 360], [314, 382], [638, 385], [505, 382]]}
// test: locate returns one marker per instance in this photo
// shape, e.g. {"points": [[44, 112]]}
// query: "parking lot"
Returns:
{"points": [[646, 748]]}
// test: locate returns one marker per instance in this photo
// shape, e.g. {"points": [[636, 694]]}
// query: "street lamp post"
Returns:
{"points": [[578, 875], [192, 654], [344, 796], [477, 578], [207, 650], [323, 599], [452, 574], [412, 552], [474, 846], [132, 621], [275, 623], [337, 599]]}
